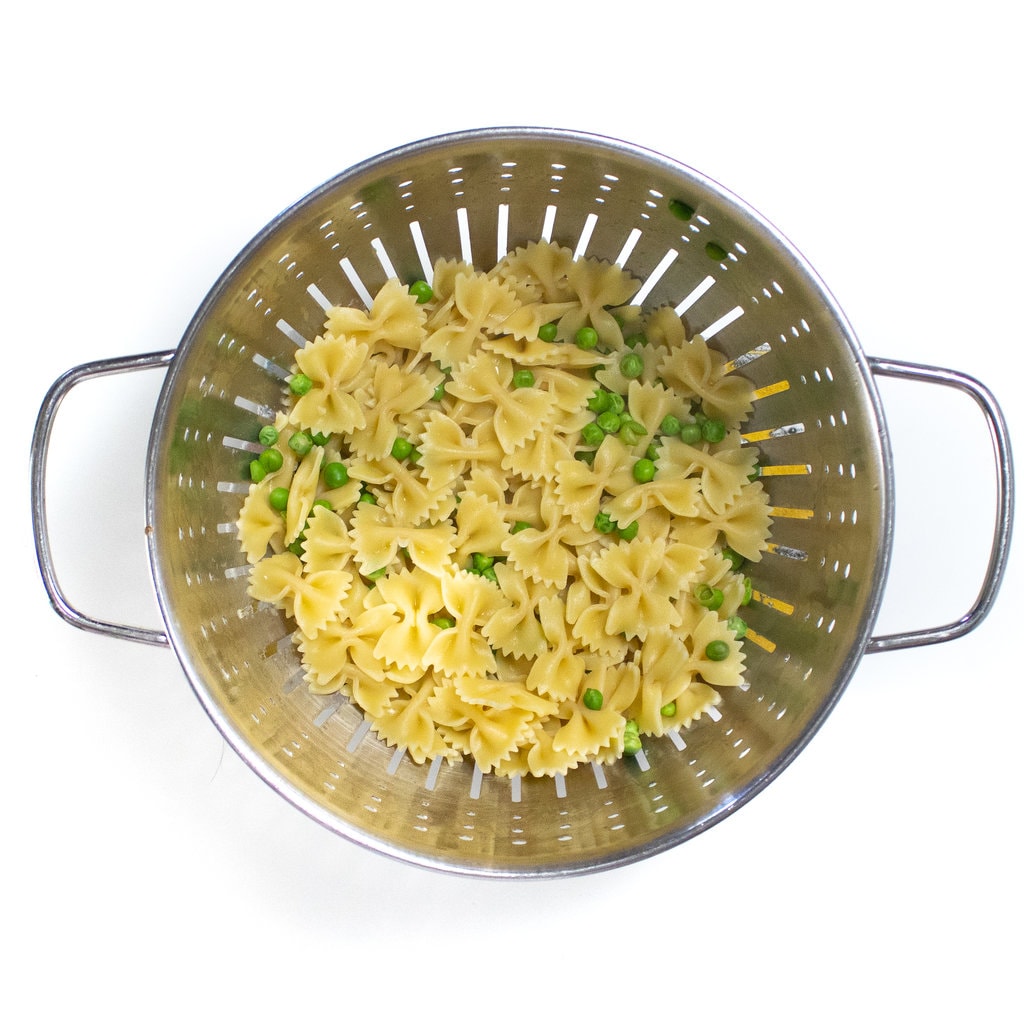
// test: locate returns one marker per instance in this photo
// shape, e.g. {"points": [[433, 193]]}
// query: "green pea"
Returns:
{"points": [[734, 557], [592, 434], [519, 525], [401, 449], [636, 340], [547, 332], [300, 442], [320, 438], [717, 650], [737, 625], [644, 470], [604, 523], [708, 597], [368, 498], [257, 471], [268, 435], [377, 573], [631, 365], [631, 745], [630, 431], [617, 402], [600, 401], [443, 622], [630, 531], [670, 425], [586, 338], [523, 379], [593, 699], [669, 710], [421, 291], [271, 460], [609, 422], [335, 475], [300, 384], [689, 433], [297, 547], [438, 392], [713, 431], [278, 499], [679, 209], [748, 591], [482, 561]]}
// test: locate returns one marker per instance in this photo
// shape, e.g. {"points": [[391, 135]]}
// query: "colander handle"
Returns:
{"points": [[40, 447], [1004, 502]]}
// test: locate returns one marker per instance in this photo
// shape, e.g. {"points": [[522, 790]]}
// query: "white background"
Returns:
{"points": [[148, 875]]}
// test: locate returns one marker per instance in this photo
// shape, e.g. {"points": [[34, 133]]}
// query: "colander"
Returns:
{"points": [[735, 279]]}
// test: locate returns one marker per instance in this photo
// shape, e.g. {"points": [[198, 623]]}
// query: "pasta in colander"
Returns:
{"points": [[508, 513]]}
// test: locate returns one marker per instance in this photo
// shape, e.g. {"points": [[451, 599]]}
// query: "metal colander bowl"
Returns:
{"points": [[696, 247]]}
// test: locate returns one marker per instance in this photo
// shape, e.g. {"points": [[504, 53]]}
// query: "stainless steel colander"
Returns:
{"points": [[817, 420]]}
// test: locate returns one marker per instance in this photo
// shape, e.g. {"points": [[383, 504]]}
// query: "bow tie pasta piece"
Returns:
{"points": [[395, 319], [259, 525], [745, 523], [558, 671], [539, 272], [696, 369], [519, 413], [390, 395], [343, 650], [338, 368], [312, 600], [414, 596], [724, 470], [409, 724], [471, 600], [327, 543], [377, 538]]}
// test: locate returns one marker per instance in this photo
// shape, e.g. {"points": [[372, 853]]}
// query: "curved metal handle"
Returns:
{"points": [[1004, 503], [40, 447]]}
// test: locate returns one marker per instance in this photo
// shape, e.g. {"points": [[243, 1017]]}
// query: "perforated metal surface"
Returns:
{"points": [[733, 278]]}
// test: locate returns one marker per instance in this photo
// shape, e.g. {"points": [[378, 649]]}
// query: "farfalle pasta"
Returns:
{"points": [[507, 512]]}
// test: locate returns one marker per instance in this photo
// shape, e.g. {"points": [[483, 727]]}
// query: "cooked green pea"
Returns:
{"points": [[748, 591], [439, 392], [689, 433], [737, 625], [604, 523], [684, 211], [421, 291], [592, 434], [547, 332], [631, 365], [631, 745], [523, 379], [278, 499], [443, 622], [669, 710], [609, 421], [717, 650], [644, 470], [616, 402], [300, 384], [713, 431], [600, 401], [593, 699], [377, 573], [709, 597], [335, 475], [630, 531], [482, 561], [271, 460], [268, 435], [670, 425], [630, 431], [368, 498], [257, 471], [519, 525], [300, 442], [586, 338], [401, 449], [734, 557], [636, 340], [320, 438]]}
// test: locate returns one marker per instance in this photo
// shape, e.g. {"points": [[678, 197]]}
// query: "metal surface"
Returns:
{"points": [[818, 422]]}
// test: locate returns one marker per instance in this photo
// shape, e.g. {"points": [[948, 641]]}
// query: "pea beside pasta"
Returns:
{"points": [[509, 513]]}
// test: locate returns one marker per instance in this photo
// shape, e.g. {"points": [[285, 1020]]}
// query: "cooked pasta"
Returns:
{"points": [[508, 514]]}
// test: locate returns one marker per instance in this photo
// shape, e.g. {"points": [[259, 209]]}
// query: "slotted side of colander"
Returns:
{"points": [[732, 277]]}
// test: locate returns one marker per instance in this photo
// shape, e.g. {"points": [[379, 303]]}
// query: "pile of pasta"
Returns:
{"points": [[380, 573]]}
